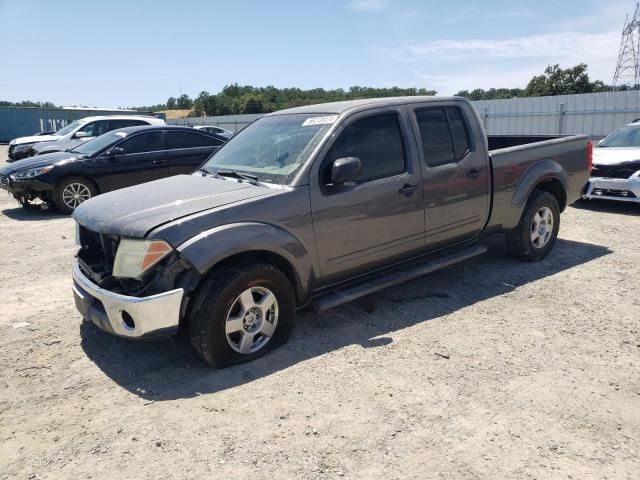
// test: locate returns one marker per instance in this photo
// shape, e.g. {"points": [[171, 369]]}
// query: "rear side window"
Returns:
{"points": [[143, 142], [190, 140], [459, 132], [444, 135], [376, 141], [115, 124], [437, 144]]}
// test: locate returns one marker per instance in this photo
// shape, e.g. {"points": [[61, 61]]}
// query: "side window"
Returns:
{"points": [[189, 140], [437, 144], [376, 141], [460, 133], [143, 142], [95, 129], [115, 124]]}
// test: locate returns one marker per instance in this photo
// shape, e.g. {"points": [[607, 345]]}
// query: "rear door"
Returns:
{"points": [[380, 217], [143, 160], [186, 151], [457, 180]]}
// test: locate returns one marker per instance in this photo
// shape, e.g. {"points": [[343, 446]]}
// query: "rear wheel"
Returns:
{"points": [[537, 231], [71, 192], [242, 312]]}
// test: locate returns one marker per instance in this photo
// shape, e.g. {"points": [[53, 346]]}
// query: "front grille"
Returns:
{"points": [[624, 170], [613, 193], [97, 254], [4, 182]]}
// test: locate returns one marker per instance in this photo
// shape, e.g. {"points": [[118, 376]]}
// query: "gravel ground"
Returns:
{"points": [[491, 369]]}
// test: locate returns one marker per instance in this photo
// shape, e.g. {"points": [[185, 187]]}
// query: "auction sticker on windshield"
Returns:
{"points": [[325, 120]]}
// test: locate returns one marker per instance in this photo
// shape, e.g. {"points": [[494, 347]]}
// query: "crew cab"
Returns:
{"points": [[314, 206], [117, 159], [75, 134]]}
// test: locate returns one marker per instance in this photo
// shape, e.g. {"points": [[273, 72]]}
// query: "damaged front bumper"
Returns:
{"points": [[132, 317], [621, 189]]}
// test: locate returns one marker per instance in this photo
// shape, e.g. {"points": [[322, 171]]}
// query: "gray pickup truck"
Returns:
{"points": [[315, 206]]}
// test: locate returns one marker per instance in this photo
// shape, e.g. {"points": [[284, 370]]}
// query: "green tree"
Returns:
{"points": [[171, 103], [556, 81], [184, 102]]}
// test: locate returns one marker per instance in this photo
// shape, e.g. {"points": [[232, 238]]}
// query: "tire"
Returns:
{"points": [[532, 239], [65, 192], [224, 332]]}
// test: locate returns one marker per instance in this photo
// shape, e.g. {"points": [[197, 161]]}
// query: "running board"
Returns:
{"points": [[379, 281]]}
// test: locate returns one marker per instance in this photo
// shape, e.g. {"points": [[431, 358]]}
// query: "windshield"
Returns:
{"points": [[69, 128], [628, 136], [99, 143], [272, 148]]}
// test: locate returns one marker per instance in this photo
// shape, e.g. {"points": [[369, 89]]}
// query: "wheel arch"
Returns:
{"points": [[220, 246]]}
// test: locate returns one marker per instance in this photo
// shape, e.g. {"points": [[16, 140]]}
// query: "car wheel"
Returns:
{"points": [[71, 192], [537, 231], [242, 312]]}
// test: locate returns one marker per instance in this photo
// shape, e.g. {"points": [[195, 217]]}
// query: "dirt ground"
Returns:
{"points": [[492, 369]]}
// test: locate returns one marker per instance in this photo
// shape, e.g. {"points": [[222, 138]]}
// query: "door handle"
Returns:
{"points": [[408, 189], [159, 162], [474, 173]]}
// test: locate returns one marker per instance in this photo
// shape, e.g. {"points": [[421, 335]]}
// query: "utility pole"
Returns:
{"points": [[628, 67]]}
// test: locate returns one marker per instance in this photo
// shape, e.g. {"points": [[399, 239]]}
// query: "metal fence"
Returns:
{"points": [[593, 114], [20, 121], [235, 123]]}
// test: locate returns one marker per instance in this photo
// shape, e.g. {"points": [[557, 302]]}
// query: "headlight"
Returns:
{"points": [[24, 147], [32, 172], [134, 257]]}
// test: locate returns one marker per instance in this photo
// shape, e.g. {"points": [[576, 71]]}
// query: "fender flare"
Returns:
{"points": [[211, 247], [537, 173]]}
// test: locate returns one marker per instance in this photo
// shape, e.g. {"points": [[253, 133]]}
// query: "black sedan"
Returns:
{"points": [[117, 159]]}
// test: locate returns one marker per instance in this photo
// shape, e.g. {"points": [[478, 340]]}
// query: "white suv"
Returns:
{"points": [[75, 133]]}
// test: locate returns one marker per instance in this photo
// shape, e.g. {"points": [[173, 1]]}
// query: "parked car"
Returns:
{"points": [[117, 159], [616, 166], [215, 130], [317, 205], [75, 134]]}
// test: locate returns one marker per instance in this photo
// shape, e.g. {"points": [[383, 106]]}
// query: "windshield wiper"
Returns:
{"points": [[240, 176]]}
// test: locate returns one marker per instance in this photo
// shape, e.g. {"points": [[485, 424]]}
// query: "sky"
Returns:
{"points": [[121, 53]]}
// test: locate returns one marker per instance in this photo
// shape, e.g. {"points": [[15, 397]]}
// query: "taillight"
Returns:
{"points": [[589, 155]]}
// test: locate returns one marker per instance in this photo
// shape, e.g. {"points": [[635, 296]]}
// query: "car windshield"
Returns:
{"points": [[272, 148], [628, 136], [69, 128], [99, 143]]}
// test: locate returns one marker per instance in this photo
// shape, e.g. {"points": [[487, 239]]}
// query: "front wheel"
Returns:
{"points": [[241, 312], [537, 231], [71, 192]]}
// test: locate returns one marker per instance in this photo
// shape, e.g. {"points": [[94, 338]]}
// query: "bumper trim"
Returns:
{"points": [[146, 317], [602, 184]]}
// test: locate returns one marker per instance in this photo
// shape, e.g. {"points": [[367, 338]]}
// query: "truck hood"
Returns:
{"points": [[615, 155], [134, 211], [34, 138], [58, 158]]}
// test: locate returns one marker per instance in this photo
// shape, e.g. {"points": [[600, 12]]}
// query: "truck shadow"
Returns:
{"points": [[168, 370]]}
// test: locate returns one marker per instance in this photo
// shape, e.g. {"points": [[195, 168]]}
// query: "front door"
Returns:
{"points": [[141, 160], [378, 218], [457, 179]]}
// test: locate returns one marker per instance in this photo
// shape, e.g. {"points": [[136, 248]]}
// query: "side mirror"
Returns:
{"points": [[345, 170], [81, 135], [115, 151]]}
